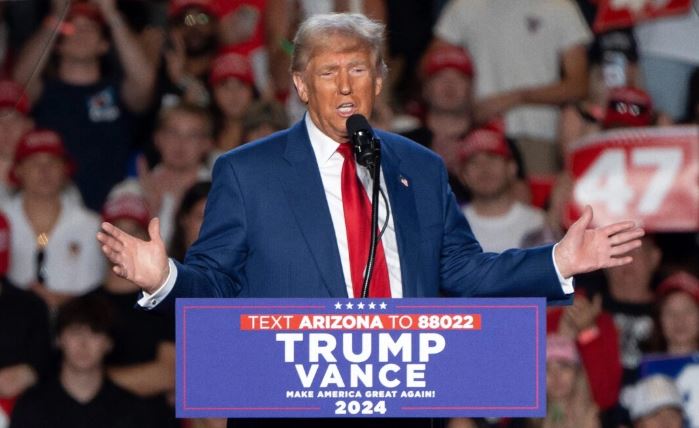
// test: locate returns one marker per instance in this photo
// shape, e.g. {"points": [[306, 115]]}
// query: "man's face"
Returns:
{"points": [[83, 349], [198, 30], [84, 41], [488, 175], [42, 174], [233, 97], [183, 141], [340, 80], [448, 90]]}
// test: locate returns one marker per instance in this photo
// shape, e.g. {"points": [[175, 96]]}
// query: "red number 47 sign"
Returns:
{"points": [[645, 174], [613, 14]]}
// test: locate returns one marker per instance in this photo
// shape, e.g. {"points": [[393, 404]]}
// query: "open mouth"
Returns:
{"points": [[346, 109]]}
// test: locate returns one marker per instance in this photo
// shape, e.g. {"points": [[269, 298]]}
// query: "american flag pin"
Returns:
{"points": [[404, 181]]}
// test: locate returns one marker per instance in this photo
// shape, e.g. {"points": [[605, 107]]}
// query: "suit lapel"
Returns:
{"points": [[405, 219], [306, 197]]}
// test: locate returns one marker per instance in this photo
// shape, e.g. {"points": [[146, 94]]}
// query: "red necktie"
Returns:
{"points": [[357, 208]]}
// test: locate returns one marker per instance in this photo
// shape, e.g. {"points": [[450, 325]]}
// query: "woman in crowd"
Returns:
{"points": [[569, 403]]}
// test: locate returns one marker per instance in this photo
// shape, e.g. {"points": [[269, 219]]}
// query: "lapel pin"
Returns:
{"points": [[404, 181]]}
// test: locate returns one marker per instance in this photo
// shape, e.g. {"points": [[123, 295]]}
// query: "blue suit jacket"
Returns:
{"points": [[267, 230]]}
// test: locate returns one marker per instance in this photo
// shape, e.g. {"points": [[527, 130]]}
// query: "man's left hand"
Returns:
{"points": [[584, 250]]}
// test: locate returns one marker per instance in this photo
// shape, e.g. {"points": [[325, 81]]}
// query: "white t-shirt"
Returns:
{"points": [[516, 44], [673, 37], [497, 234], [73, 261]]}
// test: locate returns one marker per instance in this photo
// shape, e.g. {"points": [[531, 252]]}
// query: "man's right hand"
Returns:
{"points": [[144, 263]]}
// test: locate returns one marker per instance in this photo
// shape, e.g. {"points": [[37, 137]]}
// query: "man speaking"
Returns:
{"points": [[288, 216]]}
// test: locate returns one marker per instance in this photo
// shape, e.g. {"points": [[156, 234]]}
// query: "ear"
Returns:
{"points": [[301, 88], [378, 85], [511, 169]]}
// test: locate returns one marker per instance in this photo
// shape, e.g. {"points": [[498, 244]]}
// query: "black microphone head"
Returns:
{"points": [[356, 123]]}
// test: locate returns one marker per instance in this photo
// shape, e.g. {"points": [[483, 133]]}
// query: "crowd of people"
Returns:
{"points": [[117, 111]]}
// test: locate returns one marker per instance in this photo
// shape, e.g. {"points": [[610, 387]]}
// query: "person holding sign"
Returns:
{"points": [[285, 214]]}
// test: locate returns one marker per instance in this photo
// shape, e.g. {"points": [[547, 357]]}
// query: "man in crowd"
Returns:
{"points": [[81, 395], [447, 89], [99, 120], [496, 217], [190, 47], [630, 299], [183, 138], [54, 253], [531, 58]]}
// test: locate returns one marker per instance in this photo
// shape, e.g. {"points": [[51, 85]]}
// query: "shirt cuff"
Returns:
{"points": [[149, 301], [566, 283]]}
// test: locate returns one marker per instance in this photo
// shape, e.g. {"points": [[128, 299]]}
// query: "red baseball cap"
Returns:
{"points": [[40, 141], [629, 107], [127, 205], [444, 57], [680, 281], [87, 10], [231, 64], [4, 245], [484, 140], [179, 6], [12, 96]]}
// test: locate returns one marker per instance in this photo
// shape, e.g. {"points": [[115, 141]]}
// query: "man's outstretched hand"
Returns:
{"points": [[583, 250], [142, 262]]}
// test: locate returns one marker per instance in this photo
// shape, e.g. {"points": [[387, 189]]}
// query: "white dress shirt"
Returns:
{"points": [[330, 166]]}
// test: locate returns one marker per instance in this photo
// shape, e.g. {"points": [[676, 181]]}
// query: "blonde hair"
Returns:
{"points": [[315, 30]]}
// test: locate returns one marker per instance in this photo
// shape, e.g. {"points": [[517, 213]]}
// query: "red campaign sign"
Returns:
{"points": [[613, 14], [649, 175]]}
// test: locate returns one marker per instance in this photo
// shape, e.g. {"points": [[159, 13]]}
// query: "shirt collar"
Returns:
{"points": [[323, 146]]}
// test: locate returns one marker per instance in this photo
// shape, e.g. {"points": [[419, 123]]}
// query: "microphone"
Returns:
{"points": [[367, 152], [367, 148]]}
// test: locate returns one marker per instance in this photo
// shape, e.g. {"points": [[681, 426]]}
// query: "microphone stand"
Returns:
{"points": [[375, 173]]}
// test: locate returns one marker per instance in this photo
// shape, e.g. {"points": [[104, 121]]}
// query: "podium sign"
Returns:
{"points": [[377, 358]]}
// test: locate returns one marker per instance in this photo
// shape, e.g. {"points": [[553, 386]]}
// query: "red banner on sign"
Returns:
{"points": [[613, 14], [261, 322], [645, 174]]}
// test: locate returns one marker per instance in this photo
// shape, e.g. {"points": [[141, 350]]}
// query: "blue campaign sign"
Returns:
{"points": [[250, 358]]}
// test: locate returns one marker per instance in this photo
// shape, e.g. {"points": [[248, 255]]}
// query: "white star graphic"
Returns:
{"points": [[338, 305], [360, 305], [372, 305], [349, 305], [383, 305]]}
